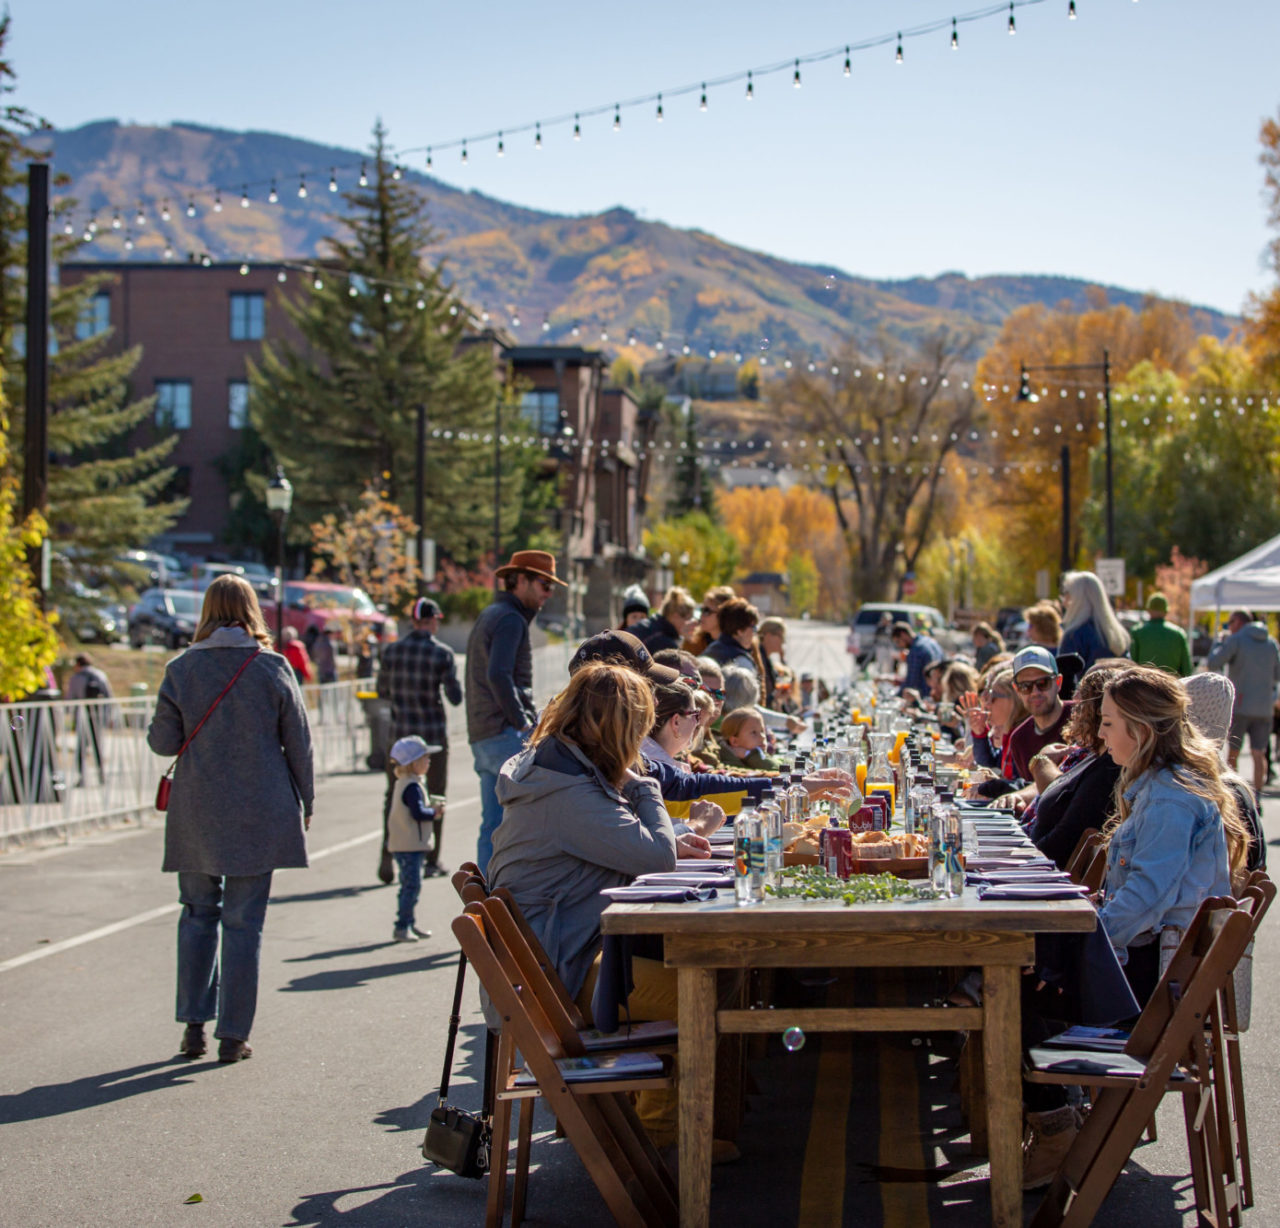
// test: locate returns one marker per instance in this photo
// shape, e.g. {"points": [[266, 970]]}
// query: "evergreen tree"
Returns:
{"points": [[693, 489], [104, 496], [382, 334]]}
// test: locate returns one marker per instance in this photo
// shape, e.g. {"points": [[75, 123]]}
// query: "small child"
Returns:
{"points": [[744, 739], [411, 827]]}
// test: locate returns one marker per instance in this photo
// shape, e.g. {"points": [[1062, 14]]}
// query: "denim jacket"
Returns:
{"points": [[1164, 859]]}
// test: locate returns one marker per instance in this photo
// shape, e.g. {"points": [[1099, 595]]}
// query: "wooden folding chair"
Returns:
{"points": [[1082, 855], [1096, 873], [596, 1116], [1168, 1051]]}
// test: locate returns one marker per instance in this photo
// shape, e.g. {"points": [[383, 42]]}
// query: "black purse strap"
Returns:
{"points": [[455, 1019]]}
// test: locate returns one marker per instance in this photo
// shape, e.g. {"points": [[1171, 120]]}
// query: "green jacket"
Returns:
{"points": [[1157, 643]]}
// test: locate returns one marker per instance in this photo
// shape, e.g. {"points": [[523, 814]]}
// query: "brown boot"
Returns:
{"points": [[1050, 1136]]}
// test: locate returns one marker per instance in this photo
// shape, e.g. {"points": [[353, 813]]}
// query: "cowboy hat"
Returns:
{"points": [[536, 562]]}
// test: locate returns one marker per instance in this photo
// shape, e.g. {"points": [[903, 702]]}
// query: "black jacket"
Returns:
{"points": [[499, 670], [656, 633]]}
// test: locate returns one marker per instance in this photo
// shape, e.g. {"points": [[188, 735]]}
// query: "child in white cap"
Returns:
{"points": [[411, 827]]}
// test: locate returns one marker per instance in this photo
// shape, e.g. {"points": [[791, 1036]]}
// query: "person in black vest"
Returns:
{"points": [[668, 627]]}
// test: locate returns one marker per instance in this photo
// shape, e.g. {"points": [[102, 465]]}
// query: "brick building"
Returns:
{"points": [[199, 326]]}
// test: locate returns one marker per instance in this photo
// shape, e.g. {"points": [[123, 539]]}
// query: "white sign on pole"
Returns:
{"points": [[428, 560], [1042, 584], [1111, 573]]}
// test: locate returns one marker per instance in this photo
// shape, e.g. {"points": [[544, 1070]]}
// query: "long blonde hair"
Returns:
{"points": [[1154, 707], [231, 602], [1087, 603], [606, 711]]}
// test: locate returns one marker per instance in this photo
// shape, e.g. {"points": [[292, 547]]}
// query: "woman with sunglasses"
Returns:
{"points": [[992, 719], [675, 721]]}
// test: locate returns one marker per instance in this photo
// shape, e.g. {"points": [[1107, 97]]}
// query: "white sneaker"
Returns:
{"points": [[401, 934], [421, 933]]}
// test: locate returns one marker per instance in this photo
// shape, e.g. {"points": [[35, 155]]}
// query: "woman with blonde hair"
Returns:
{"points": [[1044, 625], [1177, 834], [240, 803], [1089, 625]]}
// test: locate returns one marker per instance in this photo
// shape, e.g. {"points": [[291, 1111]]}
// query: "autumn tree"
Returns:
{"points": [[882, 431], [699, 552], [1174, 579], [369, 546], [1263, 312]]}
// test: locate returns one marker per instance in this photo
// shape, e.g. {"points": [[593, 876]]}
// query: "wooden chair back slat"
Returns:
{"points": [[518, 918], [1082, 854]]}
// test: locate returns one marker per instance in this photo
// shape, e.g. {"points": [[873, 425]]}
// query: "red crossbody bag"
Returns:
{"points": [[166, 781]]}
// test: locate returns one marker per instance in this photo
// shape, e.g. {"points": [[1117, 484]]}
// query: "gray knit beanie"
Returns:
{"points": [[1212, 697]]}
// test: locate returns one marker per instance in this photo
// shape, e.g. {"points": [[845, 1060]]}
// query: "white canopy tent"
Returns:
{"points": [[1252, 582]]}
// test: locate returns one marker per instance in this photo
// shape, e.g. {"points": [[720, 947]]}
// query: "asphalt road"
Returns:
{"points": [[100, 1125]]}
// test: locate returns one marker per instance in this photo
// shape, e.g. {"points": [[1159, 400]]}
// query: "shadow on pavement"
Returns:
{"points": [[339, 952], [55, 1099], [464, 1087], [334, 893], [353, 978], [421, 1195]]}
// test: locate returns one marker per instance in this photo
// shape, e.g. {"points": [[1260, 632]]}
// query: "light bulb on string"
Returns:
{"points": [[658, 115], [93, 225], [577, 128], [502, 149], [537, 136], [546, 325], [244, 269], [302, 187], [848, 63], [1071, 10], [87, 237], [795, 79], [659, 344], [273, 197], [386, 296], [955, 35], [128, 241], [515, 320], [364, 176], [68, 228], [333, 179], [684, 349], [217, 200], [1013, 26], [897, 58], [140, 218], [244, 196], [631, 339], [577, 329], [164, 209], [422, 304], [352, 292], [617, 117], [464, 152], [702, 102], [396, 172], [191, 207], [751, 92], [604, 334], [116, 223], [318, 283], [282, 277], [206, 261]]}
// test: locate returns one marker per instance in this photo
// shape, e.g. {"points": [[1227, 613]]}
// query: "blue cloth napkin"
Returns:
{"points": [[1031, 891]]}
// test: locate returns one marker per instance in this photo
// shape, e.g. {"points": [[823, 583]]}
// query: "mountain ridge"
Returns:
{"points": [[610, 272]]}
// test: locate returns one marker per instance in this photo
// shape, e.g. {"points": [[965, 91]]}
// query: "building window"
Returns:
{"points": [[95, 318], [248, 317], [238, 404], [173, 404], [541, 409]]}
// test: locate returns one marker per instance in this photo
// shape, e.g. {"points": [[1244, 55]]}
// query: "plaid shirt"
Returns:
{"points": [[413, 671]]}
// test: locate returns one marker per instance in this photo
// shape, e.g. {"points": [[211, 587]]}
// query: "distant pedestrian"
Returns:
{"points": [[295, 652], [1159, 643], [987, 643], [1089, 625], [323, 655], [635, 607], [1250, 658], [414, 816], [231, 710], [499, 679], [668, 628], [414, 673], [89, 682], [921, 651]]}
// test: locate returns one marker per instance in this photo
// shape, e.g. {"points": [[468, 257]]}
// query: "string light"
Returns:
{"points": [[501, 148], [617, 117], [464, 152], [116, 223], [577, 128], [140, 218], [537, 136], [333, 179], [68, 228], [282, 277], [1071, 10], [955, 36], [751, 93], [302, 187], [164, 209], [1013, 25], [428, 157], [352, 291], [848, 63], [396, 172], [128, 241], [658, 115], [244, 270], [702, 102], [795, 80], [364, 176], [244, 197], [168, 251], [318, 283], [191, 207], [217, 200], [897, 59], [273, 197]]}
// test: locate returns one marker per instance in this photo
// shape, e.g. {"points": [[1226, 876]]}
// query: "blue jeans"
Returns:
{"points": [[489, 755], [410, 887], [206, 991]]}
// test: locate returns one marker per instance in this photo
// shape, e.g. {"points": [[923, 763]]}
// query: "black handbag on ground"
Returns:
{"points": [[458, 1140]]}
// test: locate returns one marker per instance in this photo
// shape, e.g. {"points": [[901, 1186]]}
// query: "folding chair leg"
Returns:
{"points": [[1152, 1136], [641, 1154], [524, 1136], [500, 1142], [1240, 1125], [1201, 1163]]}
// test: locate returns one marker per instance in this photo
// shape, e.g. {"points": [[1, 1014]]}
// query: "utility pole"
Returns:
{"points": [[419, 492], [35, 471], [1065, 466]]}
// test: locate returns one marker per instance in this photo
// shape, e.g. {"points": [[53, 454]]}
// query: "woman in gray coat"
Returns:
{"points": [[241, 801]]}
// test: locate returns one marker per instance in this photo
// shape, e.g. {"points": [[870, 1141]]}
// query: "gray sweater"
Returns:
{"points": [[1251, 660], [565, 835], [242, 787]]}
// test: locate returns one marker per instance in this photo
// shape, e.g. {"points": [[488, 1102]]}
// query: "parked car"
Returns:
{"points": [[162, 570], [204, 574], [862, 632], [165, 616], [310, 604]]}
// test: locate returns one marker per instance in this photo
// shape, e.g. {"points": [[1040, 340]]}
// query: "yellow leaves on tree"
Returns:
{"points": [[370, 549], [1174, 580], [792, 531], [28, 642]]}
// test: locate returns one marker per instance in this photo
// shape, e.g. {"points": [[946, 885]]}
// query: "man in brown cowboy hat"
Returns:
{"points": [[499, 678]]}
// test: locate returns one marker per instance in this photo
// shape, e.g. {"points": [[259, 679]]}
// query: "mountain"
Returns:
{"points": [[610, 271]]}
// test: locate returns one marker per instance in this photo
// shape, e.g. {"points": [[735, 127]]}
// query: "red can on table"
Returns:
{"points": [[835, 851], [864, 819]]}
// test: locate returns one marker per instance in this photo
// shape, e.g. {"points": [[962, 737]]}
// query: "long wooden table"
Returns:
{"points": [[962, 932]]}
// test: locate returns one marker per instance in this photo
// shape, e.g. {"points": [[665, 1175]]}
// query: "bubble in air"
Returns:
{"points": [[793, 1040], [17, 721], [764, 344], [830, 283]]}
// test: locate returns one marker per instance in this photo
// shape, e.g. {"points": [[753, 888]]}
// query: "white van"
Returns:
{"points": [[862, 631]]}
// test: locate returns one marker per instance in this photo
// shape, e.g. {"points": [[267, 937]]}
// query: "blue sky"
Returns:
{"points": [[1120, 147]]}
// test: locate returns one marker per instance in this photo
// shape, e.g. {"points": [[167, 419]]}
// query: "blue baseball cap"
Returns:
{"points": [[411, 749], [1034, 656]]}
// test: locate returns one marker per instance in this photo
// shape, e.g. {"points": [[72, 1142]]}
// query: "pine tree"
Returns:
{"points": [[383, 334], [104, 496]]}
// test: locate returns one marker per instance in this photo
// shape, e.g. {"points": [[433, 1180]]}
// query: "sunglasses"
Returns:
{"points": [[713, 693], [691, 712], [1036, 684]]}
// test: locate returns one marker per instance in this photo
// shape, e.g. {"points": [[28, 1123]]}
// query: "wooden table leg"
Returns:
{"points": [[697, 1076], [1002, 1064]]}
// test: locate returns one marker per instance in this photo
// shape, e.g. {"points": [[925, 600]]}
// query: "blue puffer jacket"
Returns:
{"points": [[1165, 858]]}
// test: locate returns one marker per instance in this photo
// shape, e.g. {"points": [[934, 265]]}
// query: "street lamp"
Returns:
{"points": [[1025, 394], [279, 501]]}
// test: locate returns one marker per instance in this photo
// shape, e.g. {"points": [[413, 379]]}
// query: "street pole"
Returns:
{"points": [[419, 490], [497, 487], [35, 471], [1064, 457], [1111, 503], [280, 584]]}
